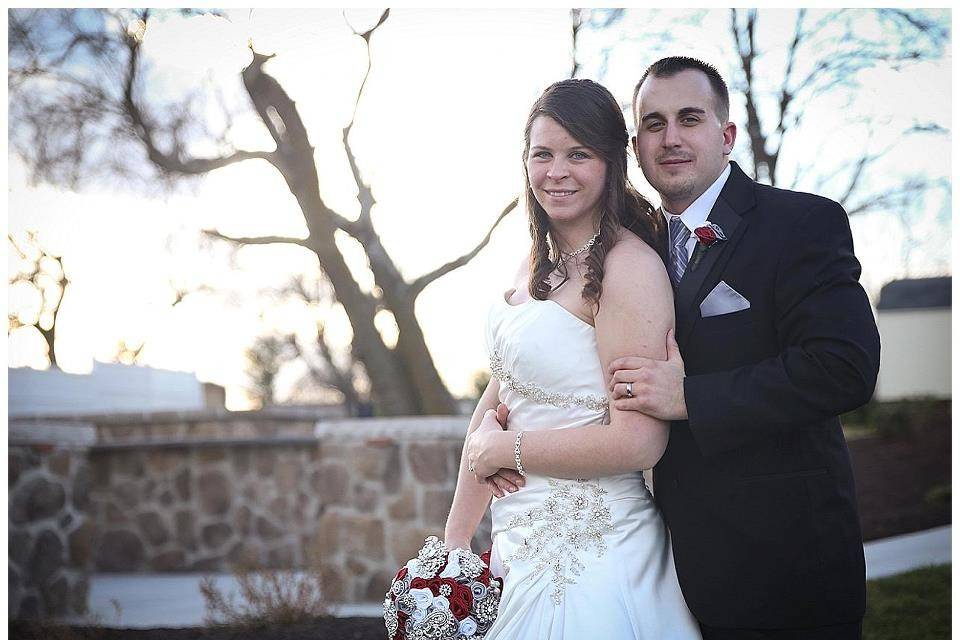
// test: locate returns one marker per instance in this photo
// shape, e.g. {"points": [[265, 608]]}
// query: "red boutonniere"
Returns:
{"points": [[707, 236]]}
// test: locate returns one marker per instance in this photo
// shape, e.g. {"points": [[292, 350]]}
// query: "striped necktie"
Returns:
{"points": [[679, 234]]}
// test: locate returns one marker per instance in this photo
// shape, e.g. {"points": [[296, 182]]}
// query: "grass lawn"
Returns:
{"points": [[909, 606]]}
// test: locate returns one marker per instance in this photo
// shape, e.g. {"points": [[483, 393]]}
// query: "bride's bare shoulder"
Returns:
{"points": [[630, 252]]}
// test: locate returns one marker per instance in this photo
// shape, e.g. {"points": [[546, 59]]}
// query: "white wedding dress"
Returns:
{"points": [[581, 559]]}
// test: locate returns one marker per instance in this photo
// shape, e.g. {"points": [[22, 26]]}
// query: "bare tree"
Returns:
{"points": [[78, 110], [835, 48], [264, 359], [42, 272]]}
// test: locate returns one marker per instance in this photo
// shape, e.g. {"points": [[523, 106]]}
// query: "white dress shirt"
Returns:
{"points": [[696, 214]]}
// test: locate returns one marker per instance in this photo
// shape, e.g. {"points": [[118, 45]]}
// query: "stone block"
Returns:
{"points": [[214, 491], [116, 515], [377, 585], [210, 455], [282, 557], [242, 519], [362, 535], [80, 489], [288, 476], [129, 463], [280, 508], [171, 560], [149, 489], [120, 550], [404, 506], [59, 463], [265, 460], [36, 499], [327, 540], [366, 499], [428, 462], [243, 554], [162, 462], [80, 542], [241, 461], [214, 535], [334, 582], [80, 595], [406, 541], [166, 498], [101, 465], [207, 564], [46, 557], [18, 461], [152, 528], [435, 506], [267, 530], [379, 461], [182, 483], [207, 430], [185, 529], [355, 566], [29, 608], [127, 494], [331, 482], [55, 597], [19, 544]]}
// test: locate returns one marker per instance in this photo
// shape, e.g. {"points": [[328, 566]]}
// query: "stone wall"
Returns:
{"points": [[208, 492], [49, 541]]}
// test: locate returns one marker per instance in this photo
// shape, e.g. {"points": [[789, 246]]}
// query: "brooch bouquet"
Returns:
{"points": [[440, 594]]}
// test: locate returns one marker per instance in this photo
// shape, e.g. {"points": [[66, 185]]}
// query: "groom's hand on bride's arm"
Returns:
{"points": [[655, 386]]}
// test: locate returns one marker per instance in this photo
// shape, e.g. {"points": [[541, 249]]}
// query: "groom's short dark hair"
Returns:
{"points": [[667, 67]]}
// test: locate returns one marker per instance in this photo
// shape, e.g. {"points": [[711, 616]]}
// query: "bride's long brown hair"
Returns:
{"points": [[590, 114]]}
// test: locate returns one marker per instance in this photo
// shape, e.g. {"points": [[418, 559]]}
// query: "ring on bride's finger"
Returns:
{"points": [[629, 389], [470, 467]]}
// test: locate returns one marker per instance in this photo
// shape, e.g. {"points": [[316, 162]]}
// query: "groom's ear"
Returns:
{"points": [[636, 152]]}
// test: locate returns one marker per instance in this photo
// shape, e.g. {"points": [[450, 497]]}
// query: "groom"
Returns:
{"points": [[776, 339]]}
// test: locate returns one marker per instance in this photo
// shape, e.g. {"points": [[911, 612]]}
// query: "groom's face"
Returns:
{"points": [[682, 143]]}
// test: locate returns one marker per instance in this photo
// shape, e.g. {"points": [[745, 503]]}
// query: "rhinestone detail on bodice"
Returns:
{"points": [[539, 395]]}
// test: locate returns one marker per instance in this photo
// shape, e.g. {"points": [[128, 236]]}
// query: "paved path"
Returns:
{"points": [[174, 600]]}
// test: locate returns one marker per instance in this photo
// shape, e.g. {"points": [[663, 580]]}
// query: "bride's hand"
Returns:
{"points": [[480, 445]]}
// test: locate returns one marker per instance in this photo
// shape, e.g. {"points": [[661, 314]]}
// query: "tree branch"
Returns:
{"points": [[364, 192], [302, 242], [142, 127], [420, 283]]}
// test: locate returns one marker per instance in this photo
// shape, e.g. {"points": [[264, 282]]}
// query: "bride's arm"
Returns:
{"points": [[636, 311], [470, 499]]}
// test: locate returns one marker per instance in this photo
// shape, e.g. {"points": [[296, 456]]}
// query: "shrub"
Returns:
{"points": [[267, 597]]}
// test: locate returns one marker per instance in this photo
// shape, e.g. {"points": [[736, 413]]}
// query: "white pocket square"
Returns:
{"points": [[722, 300]]}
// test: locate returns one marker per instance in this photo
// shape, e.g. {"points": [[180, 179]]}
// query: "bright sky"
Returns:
{"points": [[438, 136]]}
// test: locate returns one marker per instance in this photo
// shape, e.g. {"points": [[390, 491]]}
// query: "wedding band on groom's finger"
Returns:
{"points": [[629, 389]]}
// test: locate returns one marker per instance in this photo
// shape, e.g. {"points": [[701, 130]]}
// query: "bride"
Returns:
{"points": [[582, 547]]}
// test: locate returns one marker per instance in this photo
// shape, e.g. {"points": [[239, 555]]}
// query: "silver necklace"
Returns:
{"points": [[585, 247]]}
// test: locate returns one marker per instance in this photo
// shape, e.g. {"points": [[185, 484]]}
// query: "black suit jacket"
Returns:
{"points": [[756, 486]]}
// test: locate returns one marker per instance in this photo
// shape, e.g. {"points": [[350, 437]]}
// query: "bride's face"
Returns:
{"points": [[567, 178]]}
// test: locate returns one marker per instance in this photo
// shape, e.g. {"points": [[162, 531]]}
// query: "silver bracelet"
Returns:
{"points": [[516, 454]]}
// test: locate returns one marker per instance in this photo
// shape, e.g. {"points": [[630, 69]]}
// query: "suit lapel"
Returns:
{"points": [[735, 198]]}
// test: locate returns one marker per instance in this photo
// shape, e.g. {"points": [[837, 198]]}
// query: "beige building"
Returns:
{"points": [[914, 321]]}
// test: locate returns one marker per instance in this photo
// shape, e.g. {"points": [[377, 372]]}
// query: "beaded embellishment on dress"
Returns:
{"points": [[537, 394], [572, 519]]}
